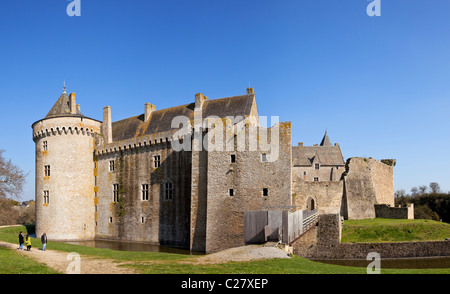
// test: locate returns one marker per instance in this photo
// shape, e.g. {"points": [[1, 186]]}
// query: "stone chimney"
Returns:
{"points": [[107, 125], [149, 108], [78, 108], [199, 100], [300, 144], [250, 91], [72, 103]]}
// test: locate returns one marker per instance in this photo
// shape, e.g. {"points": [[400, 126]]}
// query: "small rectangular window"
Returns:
{"points": [[317, 166], [233, 158], [231, 192], [157, 160], [115, 193], [316, 179], [110, 219], [45, 145], [46, 197], [142, 219], [304, 173], [47, 170], [265, 192], [264, 157], [168, 193], [145, 192], [112, 166]]}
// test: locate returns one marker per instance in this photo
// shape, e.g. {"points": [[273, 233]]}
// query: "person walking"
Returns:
{"points": [[28, 242], [44, 241], [20, 241]]}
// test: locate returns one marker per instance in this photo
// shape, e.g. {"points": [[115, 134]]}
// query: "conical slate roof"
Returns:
{"points": [[62, 108], [326, 141]]}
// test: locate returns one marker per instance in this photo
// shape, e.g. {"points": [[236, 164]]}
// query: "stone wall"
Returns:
{"points": [[248, 176], [68, 213], [327, 195], [156, 220], [367, 182], [323, 242], [385, 211]]}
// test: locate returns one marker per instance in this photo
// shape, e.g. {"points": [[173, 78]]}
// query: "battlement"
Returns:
{"points": [[65, 126]]}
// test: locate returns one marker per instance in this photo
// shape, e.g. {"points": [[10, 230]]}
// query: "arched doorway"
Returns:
{"points": [[310, 204]]}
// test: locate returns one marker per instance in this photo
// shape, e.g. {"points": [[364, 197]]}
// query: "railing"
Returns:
{"points": [[309, 219]]}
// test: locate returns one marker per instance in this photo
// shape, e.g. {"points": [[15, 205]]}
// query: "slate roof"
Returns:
{"points": [[326, 141], [61, 108], [161, 120], [324, 154]]}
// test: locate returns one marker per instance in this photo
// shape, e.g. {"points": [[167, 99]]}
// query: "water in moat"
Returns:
{"points": [[400, 263], [131, 246]]}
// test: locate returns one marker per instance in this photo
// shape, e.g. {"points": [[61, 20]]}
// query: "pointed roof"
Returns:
{"points": [[62, 107], [326, 141]]}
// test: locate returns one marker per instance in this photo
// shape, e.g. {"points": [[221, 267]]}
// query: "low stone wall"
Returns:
{"points": [[324, 243], [385, 211], [386, 250]]}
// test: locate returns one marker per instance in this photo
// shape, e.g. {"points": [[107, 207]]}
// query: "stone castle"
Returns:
{"points": [[126, 180]]}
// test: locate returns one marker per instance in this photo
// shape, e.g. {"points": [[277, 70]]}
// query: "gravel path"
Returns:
{"points": [[65, 262], [244, 253]]}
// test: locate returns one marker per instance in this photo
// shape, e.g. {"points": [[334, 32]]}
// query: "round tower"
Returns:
{"points": [[65, 171]]}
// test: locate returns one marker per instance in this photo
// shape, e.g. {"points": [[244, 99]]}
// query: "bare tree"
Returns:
{"points": [[434, 187], [12, 179], [400, 193], [423, 189], [414, 191]]}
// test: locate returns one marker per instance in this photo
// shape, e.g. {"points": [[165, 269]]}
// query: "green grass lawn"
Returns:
{"points": [[11, 262], [168, 263], [393, 230]]}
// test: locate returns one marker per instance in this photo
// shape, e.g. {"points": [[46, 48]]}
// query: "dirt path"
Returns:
{"points": [[72, 263]]}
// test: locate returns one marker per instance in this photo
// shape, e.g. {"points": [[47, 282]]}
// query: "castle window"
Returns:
{"points": [[316, 179], [231, 192], [145, 192], [264, 157], [44, 145], [112, 166], [46, 197], [233, 158], [317, 166], [47, 170], [168, 191], [304, 173], [115, 193], [142, 219], [265, 192], [157, 160], [110, 219]]}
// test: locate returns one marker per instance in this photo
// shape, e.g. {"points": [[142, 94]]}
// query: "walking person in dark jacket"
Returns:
{"points": [[44, 241], [20, 241]]}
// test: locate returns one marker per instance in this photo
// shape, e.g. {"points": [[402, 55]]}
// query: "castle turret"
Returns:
{"points": [[65, 180]]}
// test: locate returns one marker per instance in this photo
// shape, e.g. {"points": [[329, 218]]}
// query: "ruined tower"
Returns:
{"points": [[65, 171]]}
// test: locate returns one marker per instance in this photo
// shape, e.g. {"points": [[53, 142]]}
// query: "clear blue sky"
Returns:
{"points": [[380, 85]]}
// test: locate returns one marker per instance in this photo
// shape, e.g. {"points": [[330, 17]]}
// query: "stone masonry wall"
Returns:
{"points": [[367, 182], [69, 145], [156, 220], [327, 195], [247, 176]]}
